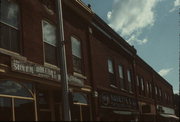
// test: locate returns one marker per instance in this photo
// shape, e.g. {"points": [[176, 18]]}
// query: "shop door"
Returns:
{"points": [[49, 105], [80, 113], [80, 109], [16, 102]]}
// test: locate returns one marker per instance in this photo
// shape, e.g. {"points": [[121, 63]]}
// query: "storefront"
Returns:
{"points": [[113, 107], [29, 91], [147, 112], [80, 99], [166, 114]]}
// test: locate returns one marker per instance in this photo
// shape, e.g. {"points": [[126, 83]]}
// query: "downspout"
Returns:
{"points": [[62, 59]]}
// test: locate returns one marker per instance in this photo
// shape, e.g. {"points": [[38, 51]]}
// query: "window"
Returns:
{"points": [[111, 76], [156, 90], [76, 55], [16, 98], [9, 25], [50, 40], [121, 75], [142, 84], [110, 66], [137, 80], [147, 85], [129, 80], [150, 90], [160, 92]]}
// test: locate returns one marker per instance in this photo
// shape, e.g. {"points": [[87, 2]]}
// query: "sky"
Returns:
{"points": [[151, 26]]}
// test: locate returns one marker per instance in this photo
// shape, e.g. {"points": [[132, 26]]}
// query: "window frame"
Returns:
{"points": [[121, 76], [52, 45], [111, 75], [129, 79], [81, 68], [18, 32]]}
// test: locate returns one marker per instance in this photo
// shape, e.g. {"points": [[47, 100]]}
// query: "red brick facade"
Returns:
{"points": [[104, 101]]}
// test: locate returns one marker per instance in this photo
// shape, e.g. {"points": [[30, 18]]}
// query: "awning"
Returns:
{"points": [[169, 116]]}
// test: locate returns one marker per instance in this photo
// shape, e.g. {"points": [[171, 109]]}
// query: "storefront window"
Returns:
{"points": [[13, 88], [80, 109], [24, 110], [5, 109], [80, 98], [16, 101]]}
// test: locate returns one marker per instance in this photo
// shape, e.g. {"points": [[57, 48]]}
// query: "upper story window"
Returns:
{"points": [[121, 75], [50, 42], [155, 90], [147, 87], [142, 84], [76, 55], [9, 25], [111, 75], [129, 79], [137, 81], [110, 66], [160, 92]]}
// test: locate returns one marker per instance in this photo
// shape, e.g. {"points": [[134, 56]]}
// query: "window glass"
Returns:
{"points": [[156, 90], [49, 33], [76, 47], [147, 87], [137, 79], [80, 98], [9, 25], [142, 84], [120, 71], [159, 92], [5, 109], [24, 110], [14, 88], [110, 66], [9, 13], [129, 75], [50, 54], [129, 79]]}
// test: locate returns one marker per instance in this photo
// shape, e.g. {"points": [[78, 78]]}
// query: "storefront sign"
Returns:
{"points": [[166, 110], [35, 69], [116, 101]]}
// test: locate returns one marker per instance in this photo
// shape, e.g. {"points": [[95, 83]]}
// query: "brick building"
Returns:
{"points": [[107, 79]]}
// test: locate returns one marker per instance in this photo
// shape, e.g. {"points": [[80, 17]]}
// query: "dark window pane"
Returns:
{"points": [[86, 113], [10, 14], [24, 110], [75, 113], [77, 64], [5, 109], [14, 88], [43, 99], [14, 40], [4, 36], [50, 54], [111, 78], [9, 38], [58, 112]]}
